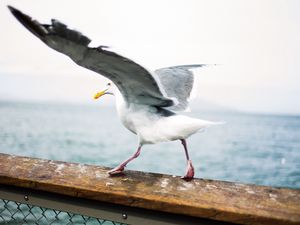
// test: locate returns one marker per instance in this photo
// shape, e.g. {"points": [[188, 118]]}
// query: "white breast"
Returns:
{"points": [[131, 115]]}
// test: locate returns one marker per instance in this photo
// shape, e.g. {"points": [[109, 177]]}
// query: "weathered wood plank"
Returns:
{"points": [[218, 200]]}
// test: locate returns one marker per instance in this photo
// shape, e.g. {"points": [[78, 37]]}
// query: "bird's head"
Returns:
{"points": [[106, 91]]}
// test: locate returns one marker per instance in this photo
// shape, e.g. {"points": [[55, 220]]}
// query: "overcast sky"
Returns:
{"points": [[256, 43]]}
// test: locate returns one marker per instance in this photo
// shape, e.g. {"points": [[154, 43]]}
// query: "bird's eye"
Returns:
{"points": [[108, 84]]}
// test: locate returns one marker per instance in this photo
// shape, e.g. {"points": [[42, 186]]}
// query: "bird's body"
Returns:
{"points": [[145, 100], [155, 124]]}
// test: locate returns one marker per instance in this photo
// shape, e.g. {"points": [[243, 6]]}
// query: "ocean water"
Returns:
{"points": [[249, 148]]}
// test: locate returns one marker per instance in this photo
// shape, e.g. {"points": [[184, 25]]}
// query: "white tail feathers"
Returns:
{"points": [[219, 123], [203, 124], [207, 123]]}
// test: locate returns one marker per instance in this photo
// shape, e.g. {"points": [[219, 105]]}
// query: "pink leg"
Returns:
{"points": [[189, 175], [121, 167]]}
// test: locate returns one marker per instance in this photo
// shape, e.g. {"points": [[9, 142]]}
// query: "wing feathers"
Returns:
{"points": [[136, 84], [71, 35], [31, 25], [187, 67], [178, 83]]}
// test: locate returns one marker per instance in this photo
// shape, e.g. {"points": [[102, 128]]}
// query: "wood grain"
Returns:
{"points": [[217, 200]]}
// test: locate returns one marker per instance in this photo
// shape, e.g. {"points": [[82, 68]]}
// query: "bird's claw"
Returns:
{"points": [[190, 172], [118, 170]]}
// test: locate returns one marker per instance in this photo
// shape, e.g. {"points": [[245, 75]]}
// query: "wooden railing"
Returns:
{"points": [[165, 197]]}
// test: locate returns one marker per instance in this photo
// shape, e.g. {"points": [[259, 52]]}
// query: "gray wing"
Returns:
{"points": [[178, 82], [136, 84]]}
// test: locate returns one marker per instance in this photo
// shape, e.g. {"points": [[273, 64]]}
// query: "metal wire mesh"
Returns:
{"points": [[15, 213]]}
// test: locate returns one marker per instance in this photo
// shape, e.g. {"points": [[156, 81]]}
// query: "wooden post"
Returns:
{"points": [[216, 200]]}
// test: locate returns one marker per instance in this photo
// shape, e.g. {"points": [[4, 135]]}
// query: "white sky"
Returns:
{"points": [[257, 44]]}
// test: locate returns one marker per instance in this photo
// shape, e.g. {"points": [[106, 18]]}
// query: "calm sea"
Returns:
{"points": [[259, 149]]}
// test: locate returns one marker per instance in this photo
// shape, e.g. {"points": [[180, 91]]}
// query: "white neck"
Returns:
{"points": [[120, 102]]}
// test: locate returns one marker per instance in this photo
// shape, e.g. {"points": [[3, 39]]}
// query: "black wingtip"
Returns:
{"points": [[14, 11], [11, 8], [33, 26]]}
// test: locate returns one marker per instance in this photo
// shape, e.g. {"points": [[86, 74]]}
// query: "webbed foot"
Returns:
{"points": [[190, 172], [117, 170]]}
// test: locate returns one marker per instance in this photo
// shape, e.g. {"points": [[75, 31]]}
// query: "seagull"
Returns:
{"points": [[146, 101]]}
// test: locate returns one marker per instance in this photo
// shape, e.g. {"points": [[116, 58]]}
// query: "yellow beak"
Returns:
{"points": [[99, 94]]}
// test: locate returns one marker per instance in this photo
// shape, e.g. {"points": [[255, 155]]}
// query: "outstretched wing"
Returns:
{"points": [[178, 82], [136, 84]]}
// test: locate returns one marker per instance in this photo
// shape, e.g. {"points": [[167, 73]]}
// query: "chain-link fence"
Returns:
{"points": [[15, 213]]}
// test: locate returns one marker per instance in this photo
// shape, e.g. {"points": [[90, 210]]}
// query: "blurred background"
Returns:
{"points": [[46, 101]]}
